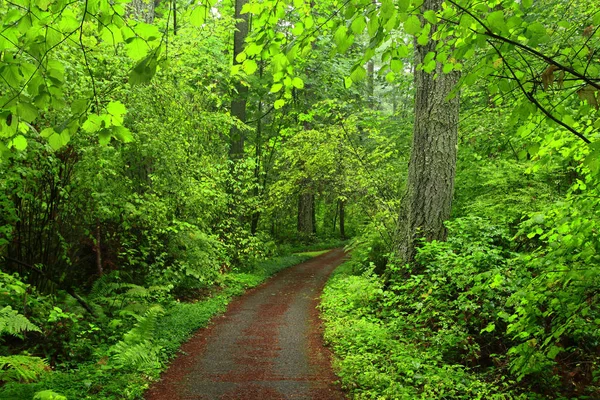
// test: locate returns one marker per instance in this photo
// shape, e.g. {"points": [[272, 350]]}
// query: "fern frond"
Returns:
{"points": [[48, 395], [140, 355], [144, 329], [138, 292], [137, 349], [21, 368], [13, 323]]}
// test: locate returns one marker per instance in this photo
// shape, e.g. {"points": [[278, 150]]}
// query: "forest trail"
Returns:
{"points": [[267, 346]]}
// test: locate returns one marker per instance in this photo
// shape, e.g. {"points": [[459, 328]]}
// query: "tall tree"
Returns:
{"points": [[430, 186], [238, 102]]}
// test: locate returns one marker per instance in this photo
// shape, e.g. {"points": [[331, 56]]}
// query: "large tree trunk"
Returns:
{"points": [[428, 198], [142, 10], [306, 214], [238, 103]]}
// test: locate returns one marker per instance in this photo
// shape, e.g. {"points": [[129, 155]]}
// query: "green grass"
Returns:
{"points": [[99, 379], [312, 253]]}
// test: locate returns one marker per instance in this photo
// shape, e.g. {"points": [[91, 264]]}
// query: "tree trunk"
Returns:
{"points": [[430, 186], [306, 214], [342, 218], [238, 103], [142, 10], [371, 84]]}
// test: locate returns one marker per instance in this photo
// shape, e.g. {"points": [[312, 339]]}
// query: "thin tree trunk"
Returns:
{"points": [[258, 155], [337, 205], [238, 103], [98, 248], [371, 84], [342, 220], [430, 186]]}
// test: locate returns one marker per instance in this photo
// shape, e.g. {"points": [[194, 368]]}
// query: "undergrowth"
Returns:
{"points": [[126, 368]]}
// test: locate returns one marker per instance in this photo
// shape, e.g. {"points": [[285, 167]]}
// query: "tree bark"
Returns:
{"points": [[238, 103], [306, 214], [342, 220], [142, 10], [371, 84], [428, 198]]}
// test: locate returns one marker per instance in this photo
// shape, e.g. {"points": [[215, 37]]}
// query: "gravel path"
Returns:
{"points": [[267, 346]]}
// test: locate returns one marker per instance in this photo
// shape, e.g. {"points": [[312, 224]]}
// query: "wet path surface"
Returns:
{"points": [[267, 346]]}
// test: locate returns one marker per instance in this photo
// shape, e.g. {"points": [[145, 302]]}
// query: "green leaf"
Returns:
{"points": [[298, 83], [92, 124], [276, 87], [249, 66], [412, 25], [396, 65], [359, 24], [373, 25], [490, 328], [123, 134], [55, 141], [430, 16], [47, 132], [340, 34], [403, 5], [65, 137], [116, 108], [298, 29], [347, 82], [279, 103], [27, 112], [19, 142], [495, 20], [358, 74], [144, 71], [137, 48], [342, 39], [104, 137]]}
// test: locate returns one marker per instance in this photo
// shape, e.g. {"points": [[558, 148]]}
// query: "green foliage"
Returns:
{"points": [[13, 323], [386, 353], [48, 395], [137, 350], [21, 368]]}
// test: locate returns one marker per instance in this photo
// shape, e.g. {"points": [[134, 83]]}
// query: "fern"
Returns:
{"points": [[21, 368], [137, 349], [144, 329], [13, 323], [139, 355], [48, 395]]}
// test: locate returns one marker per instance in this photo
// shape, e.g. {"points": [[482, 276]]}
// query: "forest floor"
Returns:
{"points": [[267, 345]]}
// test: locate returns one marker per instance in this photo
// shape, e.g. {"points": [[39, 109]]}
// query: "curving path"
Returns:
{"points": [[267, 346]]}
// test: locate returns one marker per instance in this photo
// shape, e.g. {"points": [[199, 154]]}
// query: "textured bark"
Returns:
{"points": [[306, 214], [430, 186], [142, 10], [238, 103]]}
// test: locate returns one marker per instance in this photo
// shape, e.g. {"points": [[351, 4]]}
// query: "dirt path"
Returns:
{"points": [[267, 346]]}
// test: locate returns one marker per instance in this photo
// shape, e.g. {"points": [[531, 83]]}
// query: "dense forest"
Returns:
{"points": [[158, 158]]}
